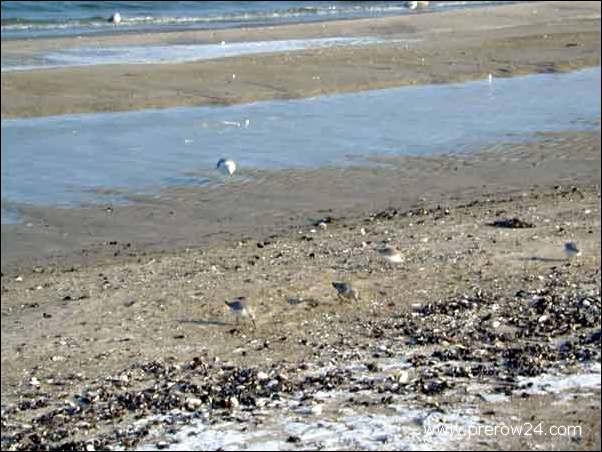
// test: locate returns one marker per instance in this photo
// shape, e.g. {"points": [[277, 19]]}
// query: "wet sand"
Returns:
{"points": [[193, 217], [79, 326], [451, 46]]}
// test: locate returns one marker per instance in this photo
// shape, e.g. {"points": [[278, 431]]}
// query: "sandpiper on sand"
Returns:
{"points": [[571, 250], [346, 291], [240, 308], [391, 254]]}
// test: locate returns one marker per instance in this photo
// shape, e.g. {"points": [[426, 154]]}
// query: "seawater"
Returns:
{"points": [[27, 19], [74, 159]]}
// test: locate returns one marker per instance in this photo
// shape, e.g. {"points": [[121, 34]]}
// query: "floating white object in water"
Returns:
{"points": [[490, 79], [115, 18], [226, 166], [571, 250], [247, 122]]}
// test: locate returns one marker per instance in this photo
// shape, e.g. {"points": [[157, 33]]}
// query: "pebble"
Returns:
{"points": [[316, 410], [261, 376], [404, 377], [193, 403]]}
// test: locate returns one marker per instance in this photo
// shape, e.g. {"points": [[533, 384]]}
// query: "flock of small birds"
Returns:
{"points": [[240, 308], [345, 291]]}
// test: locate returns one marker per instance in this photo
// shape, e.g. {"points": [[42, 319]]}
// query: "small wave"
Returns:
{"points": [[135, 18]]}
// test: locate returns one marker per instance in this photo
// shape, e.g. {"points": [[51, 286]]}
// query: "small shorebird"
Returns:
{"points": [[240, 308], [346, 291], [115, 18], [571, 250], [391, 254], [226, 166]]}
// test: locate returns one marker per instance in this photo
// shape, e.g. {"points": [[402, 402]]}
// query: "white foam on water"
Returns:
{"points": [[89, 56]]}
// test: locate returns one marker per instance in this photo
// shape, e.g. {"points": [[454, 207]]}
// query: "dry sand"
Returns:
{"points": [[452, 46]]}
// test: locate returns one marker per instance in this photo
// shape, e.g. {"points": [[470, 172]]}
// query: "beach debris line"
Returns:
{"points": [[512, 223]]}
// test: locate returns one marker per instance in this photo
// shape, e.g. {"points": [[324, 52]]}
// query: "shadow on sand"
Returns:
{"points": [[541, 259], [207, 322]]}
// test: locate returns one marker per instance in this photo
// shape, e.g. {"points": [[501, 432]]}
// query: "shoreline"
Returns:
{"points": [[196, 217], [454, 46]]}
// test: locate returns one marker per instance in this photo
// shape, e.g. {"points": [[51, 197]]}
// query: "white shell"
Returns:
{"points": [[394, 259]]}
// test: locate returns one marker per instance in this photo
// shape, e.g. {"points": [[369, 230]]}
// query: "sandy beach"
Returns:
{"points": [[91, 316], [443, 47], [114, 328]]}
